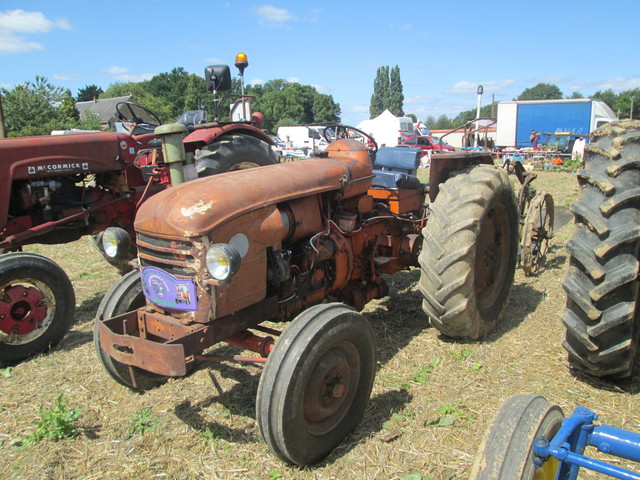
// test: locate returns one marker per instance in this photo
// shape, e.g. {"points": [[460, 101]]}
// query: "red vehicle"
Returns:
{"points": [[426, 144]]}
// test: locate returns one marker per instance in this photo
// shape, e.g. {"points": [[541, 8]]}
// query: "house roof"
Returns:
{"points": [[105, 108]]}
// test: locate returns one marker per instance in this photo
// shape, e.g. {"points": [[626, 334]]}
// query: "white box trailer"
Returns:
{"points": [[517, 119]]}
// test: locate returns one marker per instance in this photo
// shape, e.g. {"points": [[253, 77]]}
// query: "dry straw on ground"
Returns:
{"points": [[432, 400]]}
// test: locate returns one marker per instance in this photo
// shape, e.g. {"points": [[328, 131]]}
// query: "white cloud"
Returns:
{"points": [[466, 88], [213, 61], [293, 80], [63, 77], [273, 16], [359, 109], [13, 22], [256, 81], [617, 84], [122, 74]]}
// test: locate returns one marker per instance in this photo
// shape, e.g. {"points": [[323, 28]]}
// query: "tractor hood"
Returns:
{"points": [[195, 208]]}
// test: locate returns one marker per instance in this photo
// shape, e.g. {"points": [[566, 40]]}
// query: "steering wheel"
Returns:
{"points": [[138, 115], [346, 131]]}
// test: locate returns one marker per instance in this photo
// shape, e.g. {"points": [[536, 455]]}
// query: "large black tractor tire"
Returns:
{"points": [[316, 383], [37, 305], [469, 253], [233, 152], [506, 451], [124, 296], [601, 317]]}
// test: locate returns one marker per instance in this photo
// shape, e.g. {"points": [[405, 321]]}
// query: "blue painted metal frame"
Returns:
{"points": [[576, 433]]}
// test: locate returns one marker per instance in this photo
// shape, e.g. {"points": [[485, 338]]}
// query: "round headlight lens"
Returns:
{"points": [[115, 242], [223, 261]]}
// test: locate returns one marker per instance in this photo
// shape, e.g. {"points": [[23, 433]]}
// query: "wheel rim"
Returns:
{"points": [[538, 232], [492, 256], [548, 470], [331, 388], [27, 308]]}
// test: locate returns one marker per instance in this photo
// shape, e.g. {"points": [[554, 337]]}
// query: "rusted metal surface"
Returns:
{"points": [[444, 164], [207, 133], [223, 197], [160, 344]]}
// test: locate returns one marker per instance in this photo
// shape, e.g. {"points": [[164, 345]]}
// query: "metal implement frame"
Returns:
{"points": [[576, 433]]}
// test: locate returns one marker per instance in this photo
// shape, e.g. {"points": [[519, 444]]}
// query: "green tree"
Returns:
{"points": [[67, 111], [622, 102], [380, 97], [607, 96], [324, 109], [31, 108], [396, 97], [542, 91], [413, 117], [576, 95], [88, 93]]}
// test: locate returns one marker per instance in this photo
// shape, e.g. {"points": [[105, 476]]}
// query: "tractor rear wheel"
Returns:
{"points": [[506, 451], [469, 253], [124, 296], [37, 305], [316, 383], [601, 317], [233, 152]]}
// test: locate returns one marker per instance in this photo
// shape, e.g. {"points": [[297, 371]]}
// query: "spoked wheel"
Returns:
{"points": [[126, 295], [537, 232], [233, 152], [468, 258], [37, 305], [506, 451], [316, 383]]}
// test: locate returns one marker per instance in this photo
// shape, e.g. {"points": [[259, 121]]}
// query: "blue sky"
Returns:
{"points": [[444, 49]]}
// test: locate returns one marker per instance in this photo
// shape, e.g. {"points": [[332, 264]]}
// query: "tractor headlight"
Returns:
{"points": [[116, 242], [223, 261]]}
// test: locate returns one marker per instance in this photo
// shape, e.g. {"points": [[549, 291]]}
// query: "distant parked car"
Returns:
{"points": [[426, 144]]}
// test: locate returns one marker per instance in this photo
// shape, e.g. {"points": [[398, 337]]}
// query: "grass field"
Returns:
{"points": [[432, 401]]}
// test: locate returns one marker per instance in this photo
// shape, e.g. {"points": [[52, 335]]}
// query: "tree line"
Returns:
{"points": [[38, 107]]}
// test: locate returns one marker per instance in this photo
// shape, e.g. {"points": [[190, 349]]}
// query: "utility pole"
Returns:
{"points": [[631, 111], [480, 92], [3, 128]]}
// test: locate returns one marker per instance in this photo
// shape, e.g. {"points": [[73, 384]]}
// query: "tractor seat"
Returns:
{"points": [[396, 167], [192, 118]]}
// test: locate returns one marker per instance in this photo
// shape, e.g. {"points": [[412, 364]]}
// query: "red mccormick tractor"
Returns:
{"points": [[55, 189], [308, 243]]}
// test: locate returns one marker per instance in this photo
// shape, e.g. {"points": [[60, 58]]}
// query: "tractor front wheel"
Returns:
{"points": [[506, 451], [316, 383], [37, 305], [124, 296], [469, 253]]}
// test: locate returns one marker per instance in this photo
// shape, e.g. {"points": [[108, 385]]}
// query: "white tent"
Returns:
{"points": [[387, 129]]}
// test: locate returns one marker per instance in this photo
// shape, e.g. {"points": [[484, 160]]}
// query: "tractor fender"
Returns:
{"points": [[207, 135]]}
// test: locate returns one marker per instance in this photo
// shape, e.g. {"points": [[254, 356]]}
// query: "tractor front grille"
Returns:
{"points": [[173, 256]]}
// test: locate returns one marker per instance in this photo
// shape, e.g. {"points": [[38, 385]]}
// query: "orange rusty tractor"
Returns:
{"points": [[308, 243]]}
